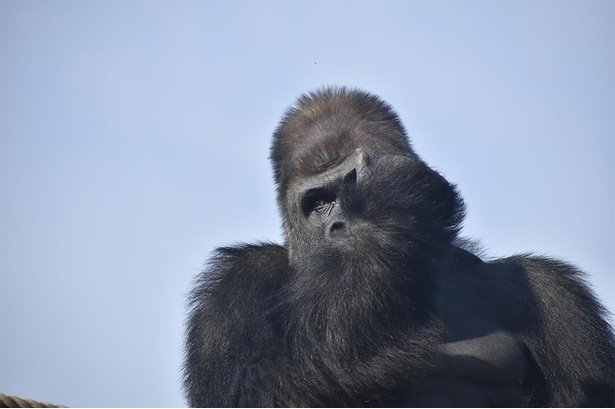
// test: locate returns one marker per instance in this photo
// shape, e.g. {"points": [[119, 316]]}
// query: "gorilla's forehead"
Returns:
{"points": [[321, 150]]}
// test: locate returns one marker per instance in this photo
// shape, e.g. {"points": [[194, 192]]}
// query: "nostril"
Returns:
{"points": [[351, 177], [336, 229]]}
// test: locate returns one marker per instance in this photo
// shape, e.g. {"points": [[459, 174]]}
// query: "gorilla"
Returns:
{"points": [[374, 300]]}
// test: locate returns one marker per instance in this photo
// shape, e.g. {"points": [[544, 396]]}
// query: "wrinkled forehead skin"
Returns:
{"points": [[327, 126]]}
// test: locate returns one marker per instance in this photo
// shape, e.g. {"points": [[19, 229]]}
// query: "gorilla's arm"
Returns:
{"points": [[520, 331], [479, 365], [564, 330], [552, 315]]}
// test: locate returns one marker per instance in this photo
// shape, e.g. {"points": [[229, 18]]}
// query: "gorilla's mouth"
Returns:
{"points": [[356, 254]]}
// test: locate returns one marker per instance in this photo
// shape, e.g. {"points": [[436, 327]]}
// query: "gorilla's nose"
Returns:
{"points": [[336, 229]]}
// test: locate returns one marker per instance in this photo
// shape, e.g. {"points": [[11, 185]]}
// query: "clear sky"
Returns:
{"points": [[135, 136]]}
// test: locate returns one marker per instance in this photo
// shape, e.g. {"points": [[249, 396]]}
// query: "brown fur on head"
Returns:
{"points": [[325, 126]]}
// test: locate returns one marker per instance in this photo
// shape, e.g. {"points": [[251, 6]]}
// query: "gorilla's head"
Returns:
{"points": [[350, 188]]}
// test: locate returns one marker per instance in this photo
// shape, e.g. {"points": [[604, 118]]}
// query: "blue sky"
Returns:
{"points": [[135, 136]]}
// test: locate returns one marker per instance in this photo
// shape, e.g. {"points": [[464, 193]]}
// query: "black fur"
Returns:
{"points": [[371, 302]]}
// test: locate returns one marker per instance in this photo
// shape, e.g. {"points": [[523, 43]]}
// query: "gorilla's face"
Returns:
{"points": [[365, 207], [353, 194], [333, 210]]}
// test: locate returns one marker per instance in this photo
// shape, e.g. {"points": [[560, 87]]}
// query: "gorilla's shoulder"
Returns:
{"points": [[266, 259], [242, 266], [242, 272]]}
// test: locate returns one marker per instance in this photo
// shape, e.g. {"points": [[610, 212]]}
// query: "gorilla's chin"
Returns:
{"points": [[346, 256], [342, 273]]}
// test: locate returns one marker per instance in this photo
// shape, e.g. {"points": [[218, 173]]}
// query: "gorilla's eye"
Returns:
{"points": [[320, 205], [317, 201]]}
